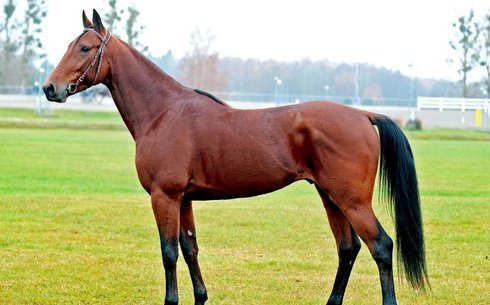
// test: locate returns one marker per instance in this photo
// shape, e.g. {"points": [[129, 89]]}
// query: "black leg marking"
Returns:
{"points": [[347, 256], [188, 245], [383, 256], [348, 246], [190, 250], [170, 255]]}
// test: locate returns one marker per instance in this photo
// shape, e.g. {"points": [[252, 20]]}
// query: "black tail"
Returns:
{"points": [[398, 180]]}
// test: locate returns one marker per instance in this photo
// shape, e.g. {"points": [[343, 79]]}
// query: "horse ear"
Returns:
{"points": [[86, 22], [97, 21]]}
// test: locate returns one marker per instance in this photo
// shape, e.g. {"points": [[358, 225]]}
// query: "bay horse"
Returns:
{"points": [[191, 146]]}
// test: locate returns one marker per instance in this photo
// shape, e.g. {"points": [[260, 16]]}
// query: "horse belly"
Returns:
{"points": [[241, 174]]}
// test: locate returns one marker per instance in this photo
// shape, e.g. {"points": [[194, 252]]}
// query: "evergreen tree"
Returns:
{"points": [[113, 16], [465, 44], [485, 56], [113, 19], [21, 47], [31, 42], [133, 31]]}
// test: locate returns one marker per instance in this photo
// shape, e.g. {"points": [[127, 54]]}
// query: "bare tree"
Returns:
{"points": [[200, 67]]}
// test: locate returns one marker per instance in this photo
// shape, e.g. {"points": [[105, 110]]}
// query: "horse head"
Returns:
{"points": [[82, 66]]}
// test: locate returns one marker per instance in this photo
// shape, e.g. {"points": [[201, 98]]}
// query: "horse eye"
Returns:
{"points": [[84, 49]]}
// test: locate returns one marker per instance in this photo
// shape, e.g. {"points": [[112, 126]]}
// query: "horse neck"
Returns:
{"points": [[140, 90]]}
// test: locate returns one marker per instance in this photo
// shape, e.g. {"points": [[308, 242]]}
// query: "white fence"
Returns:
{"points": [[446, 103]]}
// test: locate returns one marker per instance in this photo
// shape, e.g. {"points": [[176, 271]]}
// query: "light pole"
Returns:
{"points": [[357, 100], [486, 119], [411, 106], [39, 95], [327, 89], [37, 85], [276, 92], [483, 92]]}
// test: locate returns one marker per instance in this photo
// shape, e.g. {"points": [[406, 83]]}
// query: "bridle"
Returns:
{"points": [[73, 87]]}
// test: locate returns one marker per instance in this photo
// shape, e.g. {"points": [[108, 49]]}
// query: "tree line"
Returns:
{"points": [[252, 79], [233, 78]]}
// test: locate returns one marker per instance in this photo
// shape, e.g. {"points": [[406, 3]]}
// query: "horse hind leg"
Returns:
{"points": [[359, 212], [348, 246], [188, 245]]}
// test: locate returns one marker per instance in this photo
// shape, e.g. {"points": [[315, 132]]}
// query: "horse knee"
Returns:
{"points": [[190, 250], [348, 253], [170, 254]]}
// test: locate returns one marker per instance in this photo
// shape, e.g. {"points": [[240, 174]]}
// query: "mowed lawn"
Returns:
{"points": [[76, 228]]}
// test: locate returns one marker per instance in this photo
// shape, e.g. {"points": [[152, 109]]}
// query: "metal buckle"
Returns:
{"points": [[72, 88]]}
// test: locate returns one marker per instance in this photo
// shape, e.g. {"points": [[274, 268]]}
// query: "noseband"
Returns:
{"points": [[73, 87]]}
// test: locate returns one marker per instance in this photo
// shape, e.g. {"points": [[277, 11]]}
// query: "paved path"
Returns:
{"points": [[73, 103], [429, 118]]}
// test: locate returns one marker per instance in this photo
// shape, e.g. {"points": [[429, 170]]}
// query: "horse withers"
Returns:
{"points": [[191, 146]]}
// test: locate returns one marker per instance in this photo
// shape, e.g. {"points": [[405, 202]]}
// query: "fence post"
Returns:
{"points": [[478, 117]]}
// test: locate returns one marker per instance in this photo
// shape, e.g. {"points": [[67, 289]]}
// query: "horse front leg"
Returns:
{"points": [[167, 215], [188, 245]]}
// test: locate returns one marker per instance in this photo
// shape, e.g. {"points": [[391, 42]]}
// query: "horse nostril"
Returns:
{"points": [[50, 90]]}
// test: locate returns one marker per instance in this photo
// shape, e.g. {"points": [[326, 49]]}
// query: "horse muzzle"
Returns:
{"points": [[54, 94]]}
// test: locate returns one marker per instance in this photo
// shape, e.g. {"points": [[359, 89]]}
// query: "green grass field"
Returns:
{"points": [[76, 227]]}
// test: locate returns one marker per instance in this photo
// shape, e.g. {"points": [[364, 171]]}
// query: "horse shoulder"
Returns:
{"points": [[163, 158]]}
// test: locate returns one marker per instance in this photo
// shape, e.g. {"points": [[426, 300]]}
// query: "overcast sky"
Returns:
{"points": [[388, 33]]}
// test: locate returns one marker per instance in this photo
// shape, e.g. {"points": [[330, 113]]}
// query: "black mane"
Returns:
{"points": [[214, 98]]}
